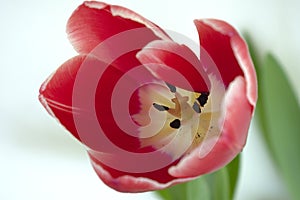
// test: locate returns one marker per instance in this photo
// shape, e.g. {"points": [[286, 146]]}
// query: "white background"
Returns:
{"points": [[40, 160]]}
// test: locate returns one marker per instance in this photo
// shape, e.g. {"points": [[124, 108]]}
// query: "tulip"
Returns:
{"points": [[150, 113]]}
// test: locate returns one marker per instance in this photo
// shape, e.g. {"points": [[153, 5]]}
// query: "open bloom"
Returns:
{"points": [[149, 111]]}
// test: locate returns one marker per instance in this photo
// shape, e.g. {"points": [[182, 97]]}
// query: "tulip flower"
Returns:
{"points": [[150, 113]]}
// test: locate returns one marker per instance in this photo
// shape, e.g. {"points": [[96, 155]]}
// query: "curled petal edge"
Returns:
{"points": [[241, 53], [132, 184], [85, 31], [164, 58], [129, 14]]}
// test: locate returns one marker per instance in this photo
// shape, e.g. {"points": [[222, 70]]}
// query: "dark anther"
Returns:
{"points": [[196, 107], [175, 124], [171, 87], [202, 99], [160, 107]]}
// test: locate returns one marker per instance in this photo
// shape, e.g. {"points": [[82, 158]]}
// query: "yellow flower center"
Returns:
{"points": [[171, 114]]}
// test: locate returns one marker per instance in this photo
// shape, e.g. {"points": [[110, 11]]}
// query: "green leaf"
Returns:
{"points": [[219, 184], [259, 111], [223, 182], [176, 192], [254, 55], [164, 194], [278, 115], [281, 115], [233, 173], [197, 189]]}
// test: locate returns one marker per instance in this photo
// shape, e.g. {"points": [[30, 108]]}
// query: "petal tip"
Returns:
{"points": [[95, 4], [240, 52]]}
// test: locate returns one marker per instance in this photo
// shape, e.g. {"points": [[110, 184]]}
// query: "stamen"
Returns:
{"points": [[202, 99], [198, 135], [160, 107], [175, 124], [171, 87], [196, 107]]}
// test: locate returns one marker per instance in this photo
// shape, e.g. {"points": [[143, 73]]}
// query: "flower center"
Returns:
{"points": [[169, 114], [182, 105]]}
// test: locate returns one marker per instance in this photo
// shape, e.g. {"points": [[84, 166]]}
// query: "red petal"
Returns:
{"points": [[56, 93], [106, 96], [93, 22], [216, 40], [132, 182], [230, 53], [88, 97], [238, 113], [175, 64]]}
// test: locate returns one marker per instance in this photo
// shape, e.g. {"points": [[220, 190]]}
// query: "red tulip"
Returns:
{"points": [[149, 111]]}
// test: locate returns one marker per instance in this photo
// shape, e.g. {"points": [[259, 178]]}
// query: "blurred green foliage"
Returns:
{"points": [[278, 114], [215, 186]]}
